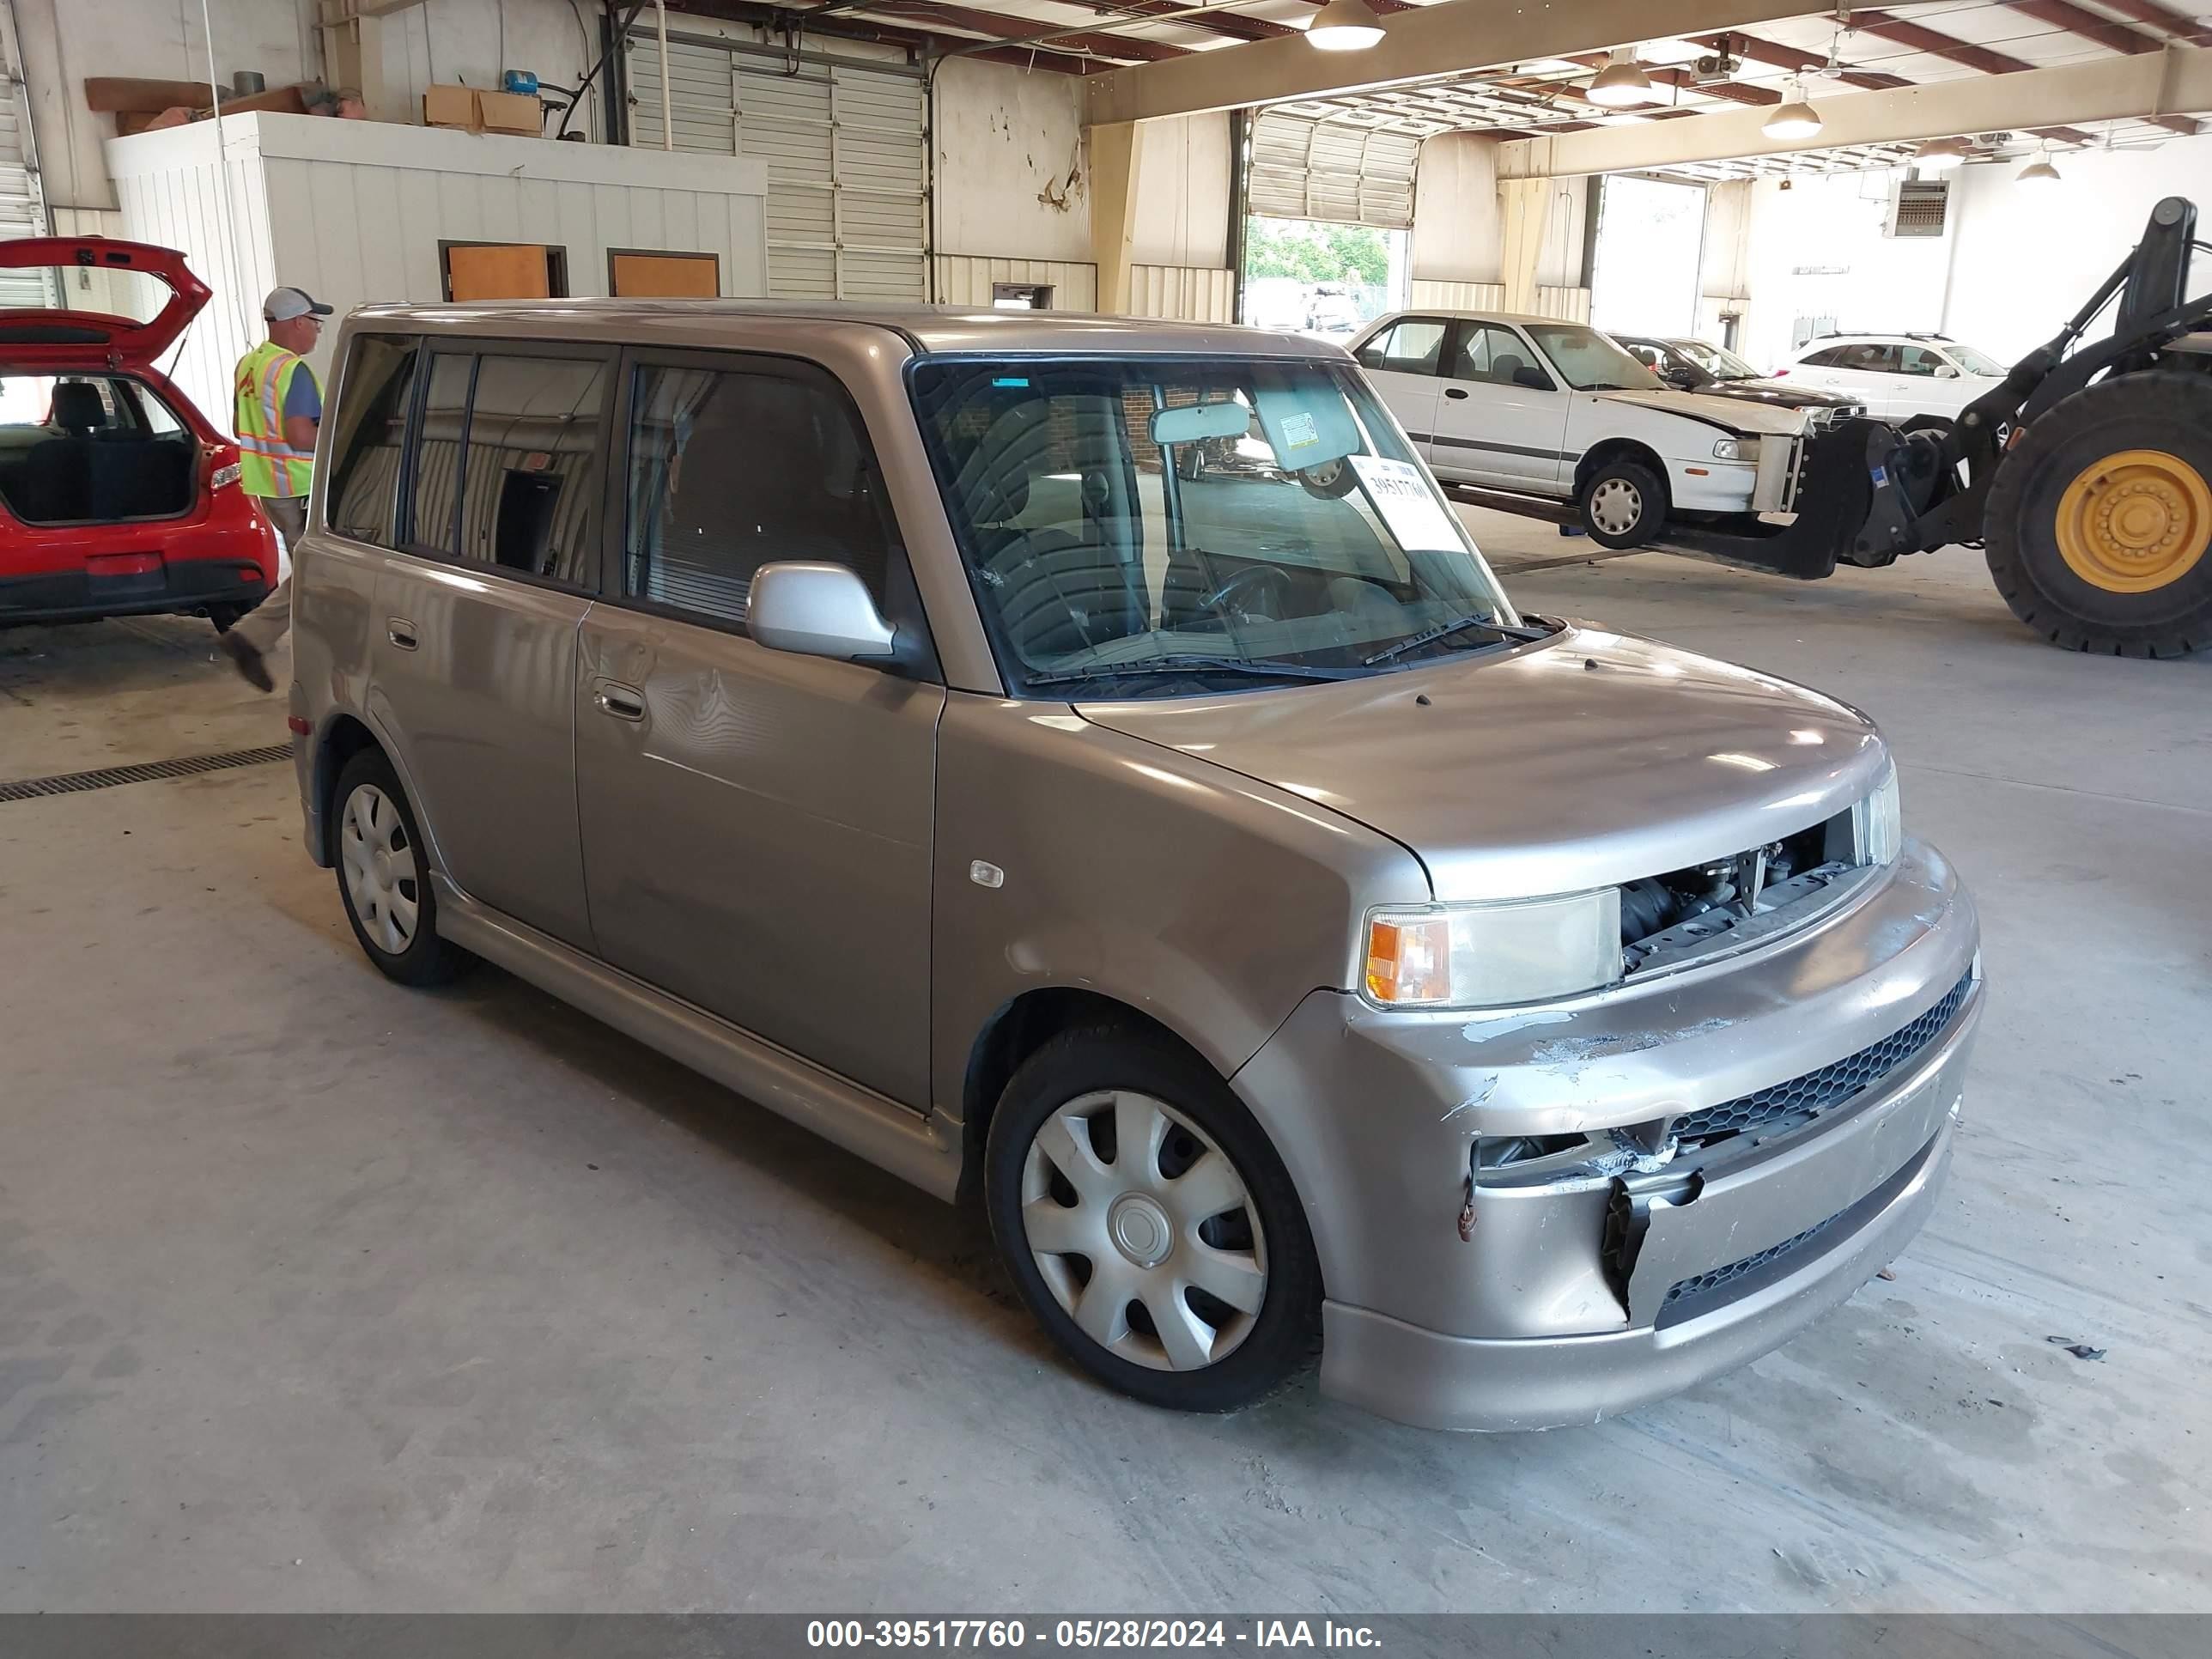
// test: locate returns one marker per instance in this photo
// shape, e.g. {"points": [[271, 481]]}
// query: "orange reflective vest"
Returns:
{"points": [[267, 464]]}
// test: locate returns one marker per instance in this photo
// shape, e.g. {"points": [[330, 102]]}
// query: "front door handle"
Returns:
{"points": [[625, 702], [401, 632], [1456, 392]]}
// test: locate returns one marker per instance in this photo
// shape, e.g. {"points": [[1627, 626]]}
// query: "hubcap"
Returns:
{"points": [[378, 862], [2134, 521], [1144, 1230], [1615, 506]]}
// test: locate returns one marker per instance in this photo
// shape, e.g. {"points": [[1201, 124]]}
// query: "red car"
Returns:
{"points": [[117, 496]]}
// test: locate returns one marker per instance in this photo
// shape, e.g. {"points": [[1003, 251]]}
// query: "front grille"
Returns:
{"points": [[1816, 1092], [71, 783], [1713, 1279]]}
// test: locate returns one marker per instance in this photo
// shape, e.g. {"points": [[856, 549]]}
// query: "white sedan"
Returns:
{"points": [[1554, 409]]}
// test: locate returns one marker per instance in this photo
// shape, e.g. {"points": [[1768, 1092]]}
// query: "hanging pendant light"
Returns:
{"points": [[2039, 171], [1794, 118], [1622, 81], [1344, 26], [1940, 154]]}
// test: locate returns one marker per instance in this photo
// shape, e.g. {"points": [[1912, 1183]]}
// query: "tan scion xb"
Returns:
{"points": [[1085, 766]]}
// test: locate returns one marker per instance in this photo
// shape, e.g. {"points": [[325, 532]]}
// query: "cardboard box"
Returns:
{"points": [[521, 114], [449, 107]]}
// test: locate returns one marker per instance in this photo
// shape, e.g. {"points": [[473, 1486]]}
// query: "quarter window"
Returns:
{"points": [[1918, 360], [733, 469], [435, 495], [370, 437]]}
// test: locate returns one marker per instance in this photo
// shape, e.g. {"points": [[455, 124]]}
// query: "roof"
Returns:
{"points": [[928, 329], [1463, 313]]}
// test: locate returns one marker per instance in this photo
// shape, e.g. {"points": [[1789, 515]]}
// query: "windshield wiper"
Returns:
{"points": [[1444, 630], [1276, 670]]}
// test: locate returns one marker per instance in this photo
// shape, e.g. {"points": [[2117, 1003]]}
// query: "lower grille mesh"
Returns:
{"points": [[1713, 1279], [1816, 1091], [71, 783]]}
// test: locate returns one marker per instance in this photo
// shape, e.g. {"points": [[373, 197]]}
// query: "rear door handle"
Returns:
{"points": [[1455, 392], [625, 702], [401, 632]]}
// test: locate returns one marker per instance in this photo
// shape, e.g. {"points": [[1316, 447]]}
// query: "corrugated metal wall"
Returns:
{"points": [[1567, 305], [1303, 168], [965, 280], [355, 211], [1198, 294]]}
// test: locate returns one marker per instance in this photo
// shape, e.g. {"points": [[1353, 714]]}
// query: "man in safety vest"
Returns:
{"points": [[279, 407]]}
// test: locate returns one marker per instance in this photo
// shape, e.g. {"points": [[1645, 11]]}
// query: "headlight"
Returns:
{"points": [[224, 476], [1737, 449], [1878, 821], [1489, 956]]}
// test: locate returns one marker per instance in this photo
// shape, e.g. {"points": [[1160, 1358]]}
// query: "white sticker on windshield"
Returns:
{"points": [[1299, 433], [1408, 505]]}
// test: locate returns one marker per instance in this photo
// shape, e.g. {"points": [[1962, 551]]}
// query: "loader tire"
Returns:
{"points": [[2099, 526]]}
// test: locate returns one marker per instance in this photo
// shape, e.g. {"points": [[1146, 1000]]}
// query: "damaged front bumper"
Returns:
{"points": [[1783, 1122]]}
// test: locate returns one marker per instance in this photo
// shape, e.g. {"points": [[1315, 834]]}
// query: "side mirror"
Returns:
{"points": [[816, 610], [1682, 377], [1532, 377], [1945, 372]]}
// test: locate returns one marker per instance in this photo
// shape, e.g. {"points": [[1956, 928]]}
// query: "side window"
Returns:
{"points": [[1918, 360], [435, 487], [1509, 354], [1831, 358], [733, 469], [369, 438], [1647, 355], [532, 479], [160, 419], [1872, 359], [1412, 346]]}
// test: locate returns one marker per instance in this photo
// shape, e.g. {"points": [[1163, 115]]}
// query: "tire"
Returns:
{"points": [[1223, 1354], [1329, 481], [372, 817], [2103, 597], [1618, 484]]}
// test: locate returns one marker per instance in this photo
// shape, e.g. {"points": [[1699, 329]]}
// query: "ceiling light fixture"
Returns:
{"points": [[1793, 118], [2039, 171], [1622, 81], [1344, 26], [1940, 154]]}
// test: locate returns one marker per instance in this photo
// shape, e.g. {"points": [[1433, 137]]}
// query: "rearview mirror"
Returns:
{"points": [[1189, 423], [816, 610], [1532, 377]]}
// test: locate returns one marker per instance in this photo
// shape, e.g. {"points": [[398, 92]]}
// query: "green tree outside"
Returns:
{"points": [[1312, 253]]}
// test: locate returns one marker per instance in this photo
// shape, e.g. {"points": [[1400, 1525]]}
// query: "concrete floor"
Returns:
{"points": [[315, 1292]]}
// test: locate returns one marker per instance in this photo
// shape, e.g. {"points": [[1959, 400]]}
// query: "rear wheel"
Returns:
{"points": [[1624, 503], [2099, 527], [383, 876]]}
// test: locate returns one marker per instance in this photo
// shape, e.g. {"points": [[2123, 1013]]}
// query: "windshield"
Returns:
{"points": [[1588, 361], [1167, 526], [1716, 361], [1975, 362]]}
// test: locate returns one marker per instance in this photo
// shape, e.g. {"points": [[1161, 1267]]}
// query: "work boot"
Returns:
{"points": [[247, 660]]}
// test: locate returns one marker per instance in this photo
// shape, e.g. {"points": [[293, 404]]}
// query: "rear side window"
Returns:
{"points": [[1831, 358], [370, 435], [1412, 345], [531, 486], [435, 493], [733, 469]]}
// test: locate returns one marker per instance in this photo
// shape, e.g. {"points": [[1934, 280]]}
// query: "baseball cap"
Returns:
{"points": [[283, 304]]}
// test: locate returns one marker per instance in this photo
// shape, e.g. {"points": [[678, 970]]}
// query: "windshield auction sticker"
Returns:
{"points": [[1408, 505]]}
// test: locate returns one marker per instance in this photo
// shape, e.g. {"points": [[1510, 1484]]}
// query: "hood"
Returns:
{"points": [[1781, 393], [1585, 760], [43, 339], [1731, 413]]}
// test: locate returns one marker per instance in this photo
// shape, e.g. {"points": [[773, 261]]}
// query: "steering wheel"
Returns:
{"points": [[1251, 575]]}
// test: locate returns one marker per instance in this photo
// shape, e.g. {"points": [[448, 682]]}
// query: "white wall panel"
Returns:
{"points": [[965, 280], [1193, 294], [1428, 295]]}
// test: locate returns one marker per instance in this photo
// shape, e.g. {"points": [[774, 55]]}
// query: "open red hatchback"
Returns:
{"points": [[117, 496]]}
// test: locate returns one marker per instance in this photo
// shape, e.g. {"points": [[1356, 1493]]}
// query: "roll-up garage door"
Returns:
{"points": [[845, 144], [22, 212], [1303, 168]]}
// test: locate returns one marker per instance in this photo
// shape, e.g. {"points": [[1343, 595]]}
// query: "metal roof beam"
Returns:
{"points": [[1421, 44], [2116, 89]]}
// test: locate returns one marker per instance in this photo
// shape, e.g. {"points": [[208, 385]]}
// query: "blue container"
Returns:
{"points": [[524, 82]]}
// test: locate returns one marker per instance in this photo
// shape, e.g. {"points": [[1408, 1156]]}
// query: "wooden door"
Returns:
{"points": [[504, 271], [665, 276]]}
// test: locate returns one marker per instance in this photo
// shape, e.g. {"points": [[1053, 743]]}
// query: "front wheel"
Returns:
{"points": [[1149, 1224], [2100, 520], [1624, 504]]}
